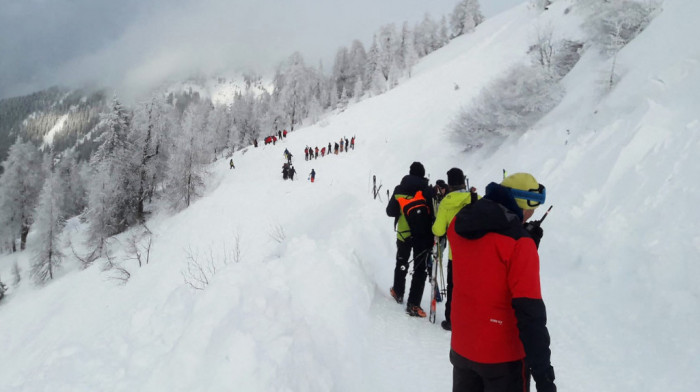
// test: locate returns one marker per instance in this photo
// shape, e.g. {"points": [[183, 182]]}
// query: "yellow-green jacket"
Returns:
{"points": [[449, 207]]}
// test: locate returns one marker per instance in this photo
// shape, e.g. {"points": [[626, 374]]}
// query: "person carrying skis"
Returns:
{"points": [[499, 331], [408, 238], [312, 175], [456, 198]]}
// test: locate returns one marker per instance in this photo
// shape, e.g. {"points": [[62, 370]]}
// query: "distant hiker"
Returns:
{"points": [[323, 152], [346, 144], [289, 157], [416, 236], [440, 190], [335, 150], [352, 143], [279, 133], [306, 153], [284, 133], [499, 321], [255, 143], [312, 175], [230, 164], [456, 198], [341, 144], [274, 140], [292, 172], [285, 171], [329, 148], [316, 153]]}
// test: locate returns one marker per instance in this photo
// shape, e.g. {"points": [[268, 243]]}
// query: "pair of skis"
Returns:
{"points": [[435, 268]]}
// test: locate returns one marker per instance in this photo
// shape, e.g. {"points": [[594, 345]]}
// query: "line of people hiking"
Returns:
{"points": [[494, 304], [344, 144]]}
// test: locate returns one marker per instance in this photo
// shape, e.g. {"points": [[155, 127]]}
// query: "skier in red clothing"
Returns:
{"points": [[499, 331]]}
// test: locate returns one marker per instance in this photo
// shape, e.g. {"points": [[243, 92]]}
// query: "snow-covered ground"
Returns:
{"points": [[304, 304]]}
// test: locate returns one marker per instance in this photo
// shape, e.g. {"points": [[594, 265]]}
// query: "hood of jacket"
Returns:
{"points": [[496, 212]]}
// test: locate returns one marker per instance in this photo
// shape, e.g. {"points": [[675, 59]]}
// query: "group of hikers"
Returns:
{"points": [[272, 139], [288, 170], [342, 145], [494, 305]]}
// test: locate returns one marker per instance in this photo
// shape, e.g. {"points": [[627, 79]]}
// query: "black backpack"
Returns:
{"points": [[417, 213]]}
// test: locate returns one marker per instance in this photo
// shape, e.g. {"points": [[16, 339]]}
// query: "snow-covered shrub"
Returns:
{"points": [[507, 106], [613, 24]]}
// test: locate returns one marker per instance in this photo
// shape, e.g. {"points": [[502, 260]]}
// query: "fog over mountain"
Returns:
{"points": [[133, 45]]}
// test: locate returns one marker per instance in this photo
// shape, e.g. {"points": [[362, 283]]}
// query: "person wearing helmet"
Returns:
{"points": [[499, 320]]}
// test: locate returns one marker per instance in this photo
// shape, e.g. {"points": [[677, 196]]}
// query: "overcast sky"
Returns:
{"points": [[131, 44]]}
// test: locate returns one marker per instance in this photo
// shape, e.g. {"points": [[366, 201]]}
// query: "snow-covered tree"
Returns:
{"points": [[20, 185], [189, 157], [48, 226], [112, 204], [293, 88], [506, 106], [465, 17], [70, 174], [358, 61]]}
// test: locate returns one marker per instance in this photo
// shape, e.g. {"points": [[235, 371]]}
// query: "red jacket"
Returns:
{"points": [[497, 308]]}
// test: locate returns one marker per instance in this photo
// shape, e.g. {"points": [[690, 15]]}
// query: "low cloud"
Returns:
{"points": [[134, 45]]}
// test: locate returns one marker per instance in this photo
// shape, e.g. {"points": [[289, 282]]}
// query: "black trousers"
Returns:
{"points": [[421, 252], [470, 376]]}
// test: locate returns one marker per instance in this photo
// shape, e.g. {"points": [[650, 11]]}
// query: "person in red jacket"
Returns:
{"points": [[499, 320]]}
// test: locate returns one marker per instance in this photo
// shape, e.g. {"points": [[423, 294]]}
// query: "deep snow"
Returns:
{"points": [[311, 311]]}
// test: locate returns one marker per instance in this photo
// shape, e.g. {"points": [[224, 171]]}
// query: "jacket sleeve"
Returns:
{"points": [[440, 224], [530, 311]]}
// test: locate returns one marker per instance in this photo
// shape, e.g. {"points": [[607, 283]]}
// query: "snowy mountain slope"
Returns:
{"points": [[311, 311]]}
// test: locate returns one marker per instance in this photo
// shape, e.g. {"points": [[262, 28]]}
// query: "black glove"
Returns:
{"points": [[535, 231], [545, 380]]}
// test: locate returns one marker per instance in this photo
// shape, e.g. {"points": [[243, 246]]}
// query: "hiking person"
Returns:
{"points": [[312, 175], [291, 172], [440, 190], [352, 143], [316, 153], [335, 151], [255, 143], [499, 331], [230, 164], [274, 140], [329, 148], [306, 153], [323, 152], [279, 133], [457, 197], [285, 171], [346, 144], [341, 144], [284, 133], [416, 237]]}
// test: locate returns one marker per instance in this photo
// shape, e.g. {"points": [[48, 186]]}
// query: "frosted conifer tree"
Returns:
{"points": [[110, 192], [188, 158], [465, 17], [20, 185], [48, 225]]}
